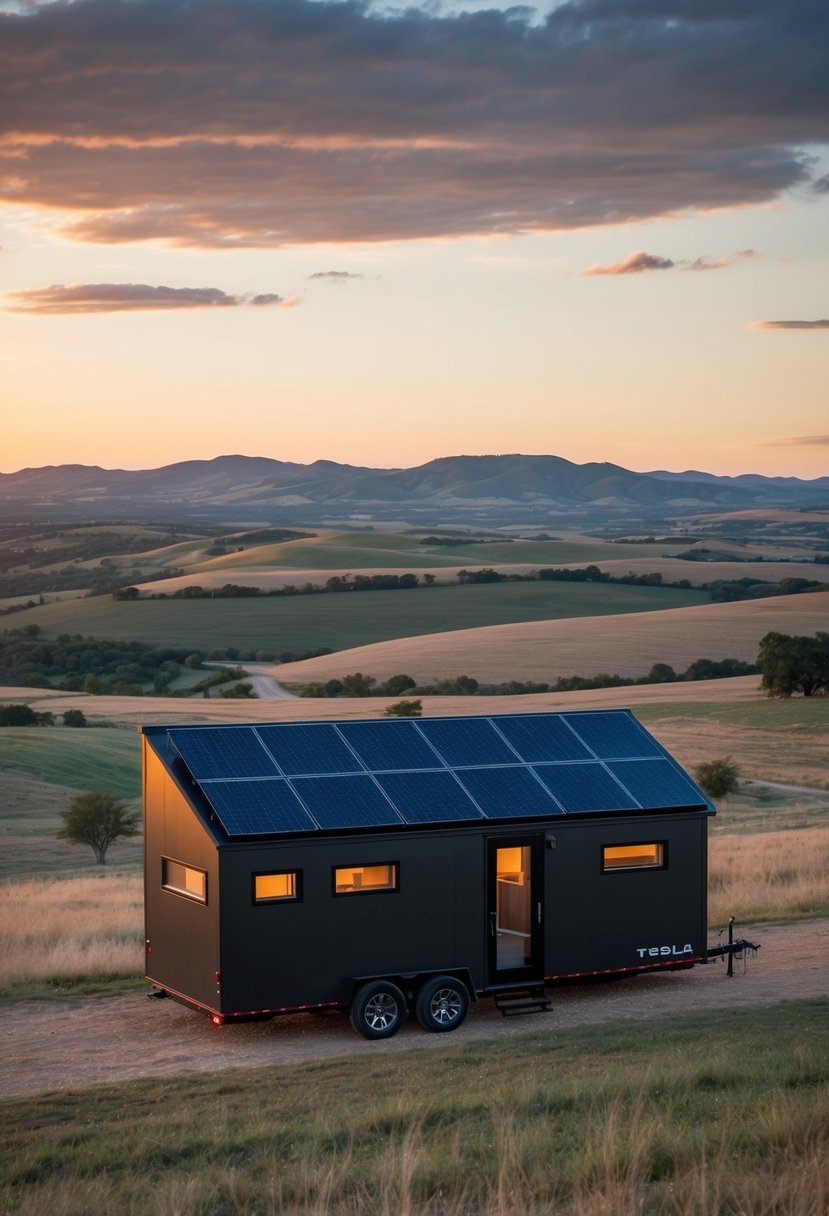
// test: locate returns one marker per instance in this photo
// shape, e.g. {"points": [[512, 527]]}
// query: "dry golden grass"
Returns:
{"points": [[89, 928], [769, 876], [627, 645]]}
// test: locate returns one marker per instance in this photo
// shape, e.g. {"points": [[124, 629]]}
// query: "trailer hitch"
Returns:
{"points": [[740, 947]]}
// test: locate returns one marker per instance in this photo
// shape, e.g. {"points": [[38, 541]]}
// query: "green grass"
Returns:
{"points": [[705, 1114], [94, 757], [341, 621], [774, 713], [375, 550]]}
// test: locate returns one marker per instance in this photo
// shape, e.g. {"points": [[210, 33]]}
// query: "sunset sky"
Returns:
{"points": [[379, 234]]}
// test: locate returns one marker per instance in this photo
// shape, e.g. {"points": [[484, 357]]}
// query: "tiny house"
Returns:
{"points": [[383, 865]]}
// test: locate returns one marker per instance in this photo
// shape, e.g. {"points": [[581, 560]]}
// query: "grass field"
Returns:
{"points": [[341, 621], [68, 756], [542, 650], [710, 1114]]}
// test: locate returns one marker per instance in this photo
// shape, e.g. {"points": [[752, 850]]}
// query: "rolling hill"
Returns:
{"points": [[453, 488]]}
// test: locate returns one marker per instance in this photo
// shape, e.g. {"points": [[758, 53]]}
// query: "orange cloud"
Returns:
{"points": [[635, 263], [76, 298]]}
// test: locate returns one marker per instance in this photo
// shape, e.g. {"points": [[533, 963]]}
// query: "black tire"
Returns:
{"points": [[378, 1010], [442, 1003]]}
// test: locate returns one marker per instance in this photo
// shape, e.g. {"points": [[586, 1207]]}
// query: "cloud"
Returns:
{"points": [[635, 263], [707, 263], [60, 300], [336, 276], [254, 123], [798, 441], [823, 324]]}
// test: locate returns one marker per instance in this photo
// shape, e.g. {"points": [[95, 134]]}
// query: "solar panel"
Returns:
{"points": [[657, 783], [466, 741], [429, 797], [309, 776], [388, 746], [584, 787], [509, 792], [538, 737], [345, 802], [309, 748], [257, 808], [223, 751], [613, 734]]}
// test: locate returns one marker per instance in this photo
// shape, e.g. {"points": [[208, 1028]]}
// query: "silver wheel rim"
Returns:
{"points": [[381, 1011], [445, 1006]]}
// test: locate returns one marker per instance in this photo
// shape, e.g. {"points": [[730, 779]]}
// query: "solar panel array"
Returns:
{"points": [[329, 776]]}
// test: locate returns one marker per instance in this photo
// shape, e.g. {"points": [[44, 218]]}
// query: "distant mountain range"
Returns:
{"points": [[455, 489]]}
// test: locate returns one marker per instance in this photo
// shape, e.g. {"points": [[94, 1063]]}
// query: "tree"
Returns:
{"points": [[791, 664], [404, 709], [74, 717], [718, 778], [98, 819]]}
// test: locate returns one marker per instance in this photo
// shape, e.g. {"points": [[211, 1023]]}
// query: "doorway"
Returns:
{"points": [[515, 911]]}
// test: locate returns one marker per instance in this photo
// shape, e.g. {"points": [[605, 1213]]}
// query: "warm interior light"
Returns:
{"points": [[275, 886], [632, 856], [365, 878]]}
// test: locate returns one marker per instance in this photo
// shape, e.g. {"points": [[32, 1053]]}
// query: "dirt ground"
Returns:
{"points": [[62, 1044]]}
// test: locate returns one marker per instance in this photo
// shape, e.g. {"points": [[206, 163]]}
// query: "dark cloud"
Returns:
{"points": [[60, 300], [634, 263], [824, 324], [250, 122]]}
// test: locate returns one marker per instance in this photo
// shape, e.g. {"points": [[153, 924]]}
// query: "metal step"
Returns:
{"points": [[529, 999]]}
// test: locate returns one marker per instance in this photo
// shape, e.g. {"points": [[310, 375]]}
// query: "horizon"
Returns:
{"points": [[412, 231], [123, 468]]}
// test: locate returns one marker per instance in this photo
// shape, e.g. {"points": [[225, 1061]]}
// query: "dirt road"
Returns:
{"points": [[63, 1044]]}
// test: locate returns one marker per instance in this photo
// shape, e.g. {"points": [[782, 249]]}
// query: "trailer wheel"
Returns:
{"points": [[378, 1010], [442, 1003]]}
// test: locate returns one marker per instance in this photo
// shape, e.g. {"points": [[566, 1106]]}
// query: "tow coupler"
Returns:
{"points": [[738, 948]]}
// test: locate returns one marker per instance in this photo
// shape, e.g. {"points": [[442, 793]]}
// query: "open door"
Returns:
{"points": [[515, 911]]}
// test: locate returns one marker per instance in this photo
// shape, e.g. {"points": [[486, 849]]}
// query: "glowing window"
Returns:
{"points": [[633, 856], [278, 887], [184, 880], [356, 880]]}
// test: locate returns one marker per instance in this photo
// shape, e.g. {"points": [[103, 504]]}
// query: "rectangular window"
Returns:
{"points": [[355, 880], [633, 856], [184, 880], [277, 887]]}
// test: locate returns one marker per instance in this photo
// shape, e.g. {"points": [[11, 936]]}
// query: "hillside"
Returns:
{"points": [[544, 650], [457, 488]]}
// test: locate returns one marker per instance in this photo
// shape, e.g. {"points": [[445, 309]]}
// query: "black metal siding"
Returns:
{"points": [[182, 933]]}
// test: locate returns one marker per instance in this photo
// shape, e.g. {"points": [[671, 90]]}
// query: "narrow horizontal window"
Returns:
{"points": [[277, 887], [353, 880], [633, 856], [184, 880]]}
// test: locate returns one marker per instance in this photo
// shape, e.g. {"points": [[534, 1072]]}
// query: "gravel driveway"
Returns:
{"points": [[59, 1044]]}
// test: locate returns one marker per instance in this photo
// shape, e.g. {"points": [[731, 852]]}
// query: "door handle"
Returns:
{"points": [[538, 906], [492, 925]]}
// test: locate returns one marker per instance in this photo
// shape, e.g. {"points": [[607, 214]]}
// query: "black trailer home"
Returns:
{"points": [[377, 865]]}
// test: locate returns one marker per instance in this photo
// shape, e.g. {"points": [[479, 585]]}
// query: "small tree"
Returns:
{"points": [[74, 717], [718, 778], [97, 819], [404, 709]]}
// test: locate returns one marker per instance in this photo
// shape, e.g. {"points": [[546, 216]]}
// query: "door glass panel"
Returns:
{"points": [[513, 907]]}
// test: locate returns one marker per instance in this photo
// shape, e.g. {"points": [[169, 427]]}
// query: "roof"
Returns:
{"points": [[309, 778]]}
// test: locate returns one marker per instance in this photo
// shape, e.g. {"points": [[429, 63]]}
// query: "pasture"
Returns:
{"points": [[542, 650], [342, 621], [711, 1112]]}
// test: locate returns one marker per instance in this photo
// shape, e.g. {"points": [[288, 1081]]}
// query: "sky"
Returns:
{"points": [[381, 235]]}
